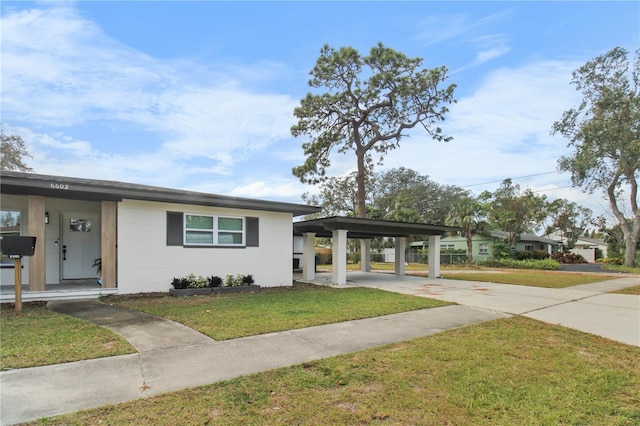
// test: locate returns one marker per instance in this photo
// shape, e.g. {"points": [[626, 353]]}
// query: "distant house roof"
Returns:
{"points": [[103, 190], [592, 241], [499, 234], [367, 228], [526, 237]]}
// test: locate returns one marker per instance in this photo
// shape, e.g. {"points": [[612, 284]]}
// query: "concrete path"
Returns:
{"points": [[145, 332], [30, 393], [587, 308]]}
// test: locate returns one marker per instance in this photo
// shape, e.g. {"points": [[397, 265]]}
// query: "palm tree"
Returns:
{"points": [[467, 213]]}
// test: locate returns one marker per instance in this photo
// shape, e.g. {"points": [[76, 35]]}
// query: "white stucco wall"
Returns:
{"points": [[147, 264]]}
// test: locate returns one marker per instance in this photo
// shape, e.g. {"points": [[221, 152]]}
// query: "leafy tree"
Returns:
{"points": [[514, 211], [568, 218], [468, 214], [408, 191], [368, 104], [604, 131], [12, 153], [337, 196]]}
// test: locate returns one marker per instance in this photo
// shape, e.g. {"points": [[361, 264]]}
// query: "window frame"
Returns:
{"points": [[215, 231], [5, 261], [484, 246]]}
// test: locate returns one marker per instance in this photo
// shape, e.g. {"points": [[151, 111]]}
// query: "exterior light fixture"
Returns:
{"points": [[46, 217]]}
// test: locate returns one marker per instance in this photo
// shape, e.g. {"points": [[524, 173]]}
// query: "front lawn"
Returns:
{"points": [[231, 316], [515, 371], [548, 279], [38, 336], [629, 290]]}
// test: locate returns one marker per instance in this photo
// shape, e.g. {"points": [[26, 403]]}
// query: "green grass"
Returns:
{"points": [[629, 290], [622, 268], [244, 314], [38, 337], [505, 372], [548, 279]]}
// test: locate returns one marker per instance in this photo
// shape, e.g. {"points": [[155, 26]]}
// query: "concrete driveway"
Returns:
{"points": [[589, 308]]}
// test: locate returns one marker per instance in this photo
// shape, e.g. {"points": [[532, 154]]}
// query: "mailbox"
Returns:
{"points": [[16, 246]]}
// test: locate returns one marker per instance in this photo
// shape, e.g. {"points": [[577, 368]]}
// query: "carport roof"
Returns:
{"points": [[367, 228]]}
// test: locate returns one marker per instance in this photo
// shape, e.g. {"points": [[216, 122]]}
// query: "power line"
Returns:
{"points": [[502, 180]]}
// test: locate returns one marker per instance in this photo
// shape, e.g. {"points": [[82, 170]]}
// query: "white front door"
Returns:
{"points": [[80, 245]]}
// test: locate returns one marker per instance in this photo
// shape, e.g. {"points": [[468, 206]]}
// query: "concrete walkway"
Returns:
{"points": [[145, 332], [173, 357], [587, 307]]}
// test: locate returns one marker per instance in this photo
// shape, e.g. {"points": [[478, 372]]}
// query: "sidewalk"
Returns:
{"points": [[177, 362]]}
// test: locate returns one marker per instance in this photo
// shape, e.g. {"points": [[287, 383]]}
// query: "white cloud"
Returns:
{"points": [[60, 70]]}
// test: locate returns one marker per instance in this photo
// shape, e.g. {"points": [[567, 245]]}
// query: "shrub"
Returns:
{"points": [[234, 280], [180, 283], [546, 264], [197, 281], [214, 281], [193, 281], [535, 255], [568, 257]]}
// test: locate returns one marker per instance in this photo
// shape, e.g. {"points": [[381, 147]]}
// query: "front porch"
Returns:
{"points": [[79, 289]]}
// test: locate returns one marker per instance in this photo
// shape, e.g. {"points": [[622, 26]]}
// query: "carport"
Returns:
{"points": [[340, 228]]}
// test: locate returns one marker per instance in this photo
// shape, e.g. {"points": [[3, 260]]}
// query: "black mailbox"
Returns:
{"points": [[15, 246]]}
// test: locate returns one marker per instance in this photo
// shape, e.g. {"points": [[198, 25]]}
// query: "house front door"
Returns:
{"points": [[80, 245]]}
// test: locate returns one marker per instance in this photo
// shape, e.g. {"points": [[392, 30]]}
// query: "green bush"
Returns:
{"points": [[546, 264], [568, 257], [214, 281], [534, 255], [193, 281]]}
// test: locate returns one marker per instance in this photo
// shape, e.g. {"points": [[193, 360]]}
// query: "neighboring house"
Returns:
{"points": [[482, 245], [144, 235], [589, 248]]}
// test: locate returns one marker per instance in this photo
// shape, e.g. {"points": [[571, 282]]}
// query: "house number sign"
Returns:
{"points": [[59, 186]]}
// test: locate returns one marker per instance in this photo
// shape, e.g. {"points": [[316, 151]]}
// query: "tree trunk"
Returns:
{"points": [[630, 233], [631, 241], [469, 246], [362, 193], [630, 252]]}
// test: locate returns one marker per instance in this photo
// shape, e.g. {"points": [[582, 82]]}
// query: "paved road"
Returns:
{"points": [[587, 267]]}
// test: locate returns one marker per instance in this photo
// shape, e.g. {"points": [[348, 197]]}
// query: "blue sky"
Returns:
{"points": [[200, 95]]}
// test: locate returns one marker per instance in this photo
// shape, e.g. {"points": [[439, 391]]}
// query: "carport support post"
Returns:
{"points": [[365, 255], [339, 257], [401, 245], [309, 256], [434, 256]]}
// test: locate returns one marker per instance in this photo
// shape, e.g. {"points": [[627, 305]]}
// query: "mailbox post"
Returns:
{"points": [[15, 247]]}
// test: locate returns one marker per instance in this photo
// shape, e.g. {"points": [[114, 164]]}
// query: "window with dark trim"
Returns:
{"points": [[201, 230], [10, 224], [206, 230]]}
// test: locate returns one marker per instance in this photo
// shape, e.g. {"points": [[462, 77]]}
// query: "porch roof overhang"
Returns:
{"points": [[368, 228], [101, 190]]}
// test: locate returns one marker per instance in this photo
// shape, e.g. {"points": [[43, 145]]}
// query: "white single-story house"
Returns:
{"points": [[589, 248], [144, 235]]}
